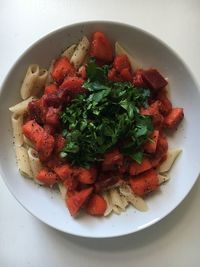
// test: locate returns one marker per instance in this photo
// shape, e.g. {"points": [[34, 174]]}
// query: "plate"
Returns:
{"points": [[46, 204]]}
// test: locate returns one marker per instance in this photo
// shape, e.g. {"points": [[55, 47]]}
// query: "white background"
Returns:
{"points": [[24, 241]]}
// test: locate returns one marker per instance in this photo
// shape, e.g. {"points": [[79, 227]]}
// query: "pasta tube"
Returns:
{"points": [[29, 81], [23, 161], [69, 51], [80, 52], [17, 121], [34, 160], [21, 107], [172, 155]]}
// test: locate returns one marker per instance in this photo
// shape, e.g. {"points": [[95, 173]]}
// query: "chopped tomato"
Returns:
{"points": [[150, 146], [51, 88], [121, 62], [173, 118], [52, 116], [63, 171], [137, 79], [86, 176], [72, 86], [166, 105], [145, 183], [112, 160], [137, 168], [77, 200], [61, 68], [96, 205], [59, 143], [126, 75], [101, 48], [47, 177]]}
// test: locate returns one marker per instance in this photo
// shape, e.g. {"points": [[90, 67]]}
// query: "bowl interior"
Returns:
{"points": [[46, 204]]}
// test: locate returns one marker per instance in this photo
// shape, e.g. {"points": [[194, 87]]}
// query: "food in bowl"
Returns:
{"points": [[94, 125]]}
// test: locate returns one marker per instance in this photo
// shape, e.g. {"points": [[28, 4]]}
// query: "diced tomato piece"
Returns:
{"points": [[53, 162], [162, 145], [173, 118], [52, 99], [32, 130], [71, 183], [144, 183], [101, 48], [166, 105], [121, 62], [150, 146], [52, 116], [96, 205], [86, 176], [47, 177], [59, 143], [154, 111], [137, 168], [112, 160], [77, 200], [126, 75], [137, 79], [105, 181], [72, 86], [64, 171], [45, 145], [154, 79], [114, 76], [61, 68], [37, 110], [51, 88], [49, 129]]}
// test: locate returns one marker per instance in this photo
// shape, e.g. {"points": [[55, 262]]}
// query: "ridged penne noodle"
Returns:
{"points": [[117, 200], [136, 201], [162, 178], [30, 80], [119, 50], [49, 77], [17, 122], [23, 161], [108, 202], [41, 81], [35, 162], [117, 209], [69, 51], [172, 155], [21, 107], [63, 190], [80, 53], [28, 142]]}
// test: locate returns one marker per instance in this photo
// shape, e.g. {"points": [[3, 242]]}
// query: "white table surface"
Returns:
{"points": [[25, 241]]}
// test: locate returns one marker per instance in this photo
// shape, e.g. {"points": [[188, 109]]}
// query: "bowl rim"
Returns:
{"points": [[90, 22]]}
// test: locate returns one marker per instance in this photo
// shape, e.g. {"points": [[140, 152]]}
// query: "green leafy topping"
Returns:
{"points": [[108, 114]]}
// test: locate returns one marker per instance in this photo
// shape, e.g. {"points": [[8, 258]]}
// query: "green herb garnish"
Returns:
{"points": [[108, 114]]}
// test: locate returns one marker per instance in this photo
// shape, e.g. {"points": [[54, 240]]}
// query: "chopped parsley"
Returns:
{"points": [[107, 115]]}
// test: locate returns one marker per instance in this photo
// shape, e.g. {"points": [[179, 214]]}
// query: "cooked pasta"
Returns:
{"points": [[35, 162], [17, 122], [28, 142], [27, 88], [80, 52], [172, 155], [109, 209], [49, 77], [23, 161], [40, 82], [69, 51], [21, 107], [63, 190]]}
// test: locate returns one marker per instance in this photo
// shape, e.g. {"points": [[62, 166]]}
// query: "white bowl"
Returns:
{"points": [[46, 204]]}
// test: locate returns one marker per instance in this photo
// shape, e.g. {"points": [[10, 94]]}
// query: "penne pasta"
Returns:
{"points": [[162, 178], [108, 202], [28, 142], [80, 53], [136, 201], [23, 161], [116, 209], [41, 81], [63, 190], [69, 51], [172, 155], [35, 163], [116, 199], [49, 77], [17, 122], [119, 50], [27, 88], [21, 107]]}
